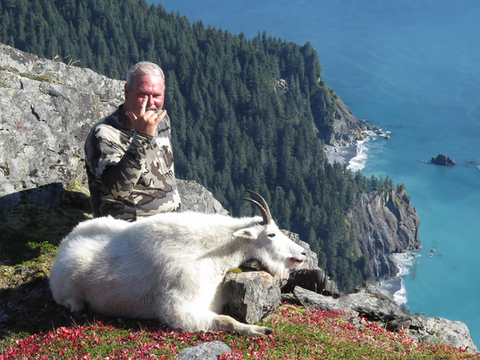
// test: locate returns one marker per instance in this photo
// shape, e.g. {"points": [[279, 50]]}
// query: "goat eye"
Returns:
{"points": [[271, 235]]}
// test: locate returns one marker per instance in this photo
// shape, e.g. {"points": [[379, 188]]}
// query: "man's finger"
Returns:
{"points": [[143, 107], [161, 115], [131, 115]]}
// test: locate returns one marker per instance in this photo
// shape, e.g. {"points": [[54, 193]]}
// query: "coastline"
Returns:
{"points": [[396, 286], [356, 156], [341, 154]]}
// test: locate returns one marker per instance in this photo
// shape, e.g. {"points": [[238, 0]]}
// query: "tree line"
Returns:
{"points": [[246, 113]]}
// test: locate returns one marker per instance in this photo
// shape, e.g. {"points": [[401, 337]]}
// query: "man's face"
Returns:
{"points": [[151, 86]]}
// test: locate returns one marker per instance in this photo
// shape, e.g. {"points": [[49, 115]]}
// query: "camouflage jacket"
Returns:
{"points": [[130, 174]]}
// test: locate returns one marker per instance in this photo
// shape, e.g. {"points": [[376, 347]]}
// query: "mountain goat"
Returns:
{"points": [[168, 266]]}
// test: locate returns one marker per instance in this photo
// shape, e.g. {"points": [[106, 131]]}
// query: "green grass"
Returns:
{"points": [[29, 232], [36, 77]]}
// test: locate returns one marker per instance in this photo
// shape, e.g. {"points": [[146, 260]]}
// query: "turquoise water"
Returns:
{"points": [[413, 68]]}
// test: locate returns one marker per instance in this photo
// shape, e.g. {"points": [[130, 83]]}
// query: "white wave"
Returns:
{"points": [[400, 296], [404, 261], [396, 286], [358, 162], [365, 148]]}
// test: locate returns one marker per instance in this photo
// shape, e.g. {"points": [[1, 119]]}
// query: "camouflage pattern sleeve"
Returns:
{"points": [[119, 165]]}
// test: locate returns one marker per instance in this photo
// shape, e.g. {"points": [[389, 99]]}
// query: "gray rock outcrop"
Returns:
{"points": [[375, 305], [384, 223], [196, 198], [346, 128], [46, 112]]}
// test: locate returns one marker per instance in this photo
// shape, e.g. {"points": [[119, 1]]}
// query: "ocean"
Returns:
{"points": [[413, 68]]}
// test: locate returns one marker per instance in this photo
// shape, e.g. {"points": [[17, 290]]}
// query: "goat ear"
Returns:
{"points": [[248, 234]]}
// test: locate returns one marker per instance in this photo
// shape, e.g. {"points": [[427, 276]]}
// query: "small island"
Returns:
{"points": [[443, 160]]}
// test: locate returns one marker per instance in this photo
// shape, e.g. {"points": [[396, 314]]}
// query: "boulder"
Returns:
{"points": [[196, 197], [443, 160], [250, 296], [442, 330], [206, 351]]}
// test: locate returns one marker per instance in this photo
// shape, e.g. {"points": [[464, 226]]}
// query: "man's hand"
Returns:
{"points": [[147, 119]]}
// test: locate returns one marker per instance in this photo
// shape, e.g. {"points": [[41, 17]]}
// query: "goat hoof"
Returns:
{"points": [[268, 331], [254, 330], [263, 330]]}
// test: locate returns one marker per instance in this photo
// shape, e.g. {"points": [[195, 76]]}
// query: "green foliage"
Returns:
{"points": [[245, 112], [401, 187], [381, 184], [235, 271], [41, 78]]}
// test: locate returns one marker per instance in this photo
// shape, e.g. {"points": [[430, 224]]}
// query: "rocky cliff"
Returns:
{"points": [[384, 223], [346, 128]]}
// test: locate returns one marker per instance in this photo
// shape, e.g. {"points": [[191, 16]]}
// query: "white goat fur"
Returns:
{"points": [[168, 266]]}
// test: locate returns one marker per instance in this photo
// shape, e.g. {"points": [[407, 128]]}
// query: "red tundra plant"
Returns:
{"points": [[299, 334]]}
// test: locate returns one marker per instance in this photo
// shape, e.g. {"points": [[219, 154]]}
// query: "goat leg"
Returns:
{"points": [[229, 324]]}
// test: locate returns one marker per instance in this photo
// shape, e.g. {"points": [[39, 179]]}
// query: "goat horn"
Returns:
{"points": [[262, 205]]}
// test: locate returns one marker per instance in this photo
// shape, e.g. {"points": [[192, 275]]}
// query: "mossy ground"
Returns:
{"points": [[29, 236]]}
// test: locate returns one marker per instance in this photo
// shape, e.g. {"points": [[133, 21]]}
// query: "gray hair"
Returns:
{"points": [[143, 68]]}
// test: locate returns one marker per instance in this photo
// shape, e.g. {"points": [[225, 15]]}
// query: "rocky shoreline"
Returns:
{"points": [[341, 154], [345, 152], [395, 286]]}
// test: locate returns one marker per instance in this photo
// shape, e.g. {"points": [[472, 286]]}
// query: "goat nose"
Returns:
{"points": [[304, 253]]}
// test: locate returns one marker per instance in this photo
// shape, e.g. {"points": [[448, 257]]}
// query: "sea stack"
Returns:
{"points": [[443, 160]]}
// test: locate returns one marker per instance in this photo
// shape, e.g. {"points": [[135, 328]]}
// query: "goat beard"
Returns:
{"points": [[277, 271], [258, 265]]}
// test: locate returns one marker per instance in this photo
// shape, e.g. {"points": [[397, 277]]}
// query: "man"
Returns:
{"points": [[129, 157]]}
